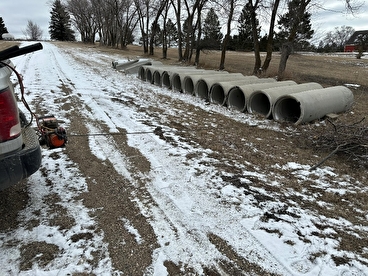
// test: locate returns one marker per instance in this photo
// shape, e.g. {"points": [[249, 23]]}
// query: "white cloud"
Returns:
{"points": [[17, 13], [333, 14]]}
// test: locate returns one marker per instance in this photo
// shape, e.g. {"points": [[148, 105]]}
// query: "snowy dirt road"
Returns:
{"points": [[154, 182]]}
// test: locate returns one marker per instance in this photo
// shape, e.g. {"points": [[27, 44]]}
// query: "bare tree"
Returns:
{"points": [[231, 8], [177, 10], [164, 30], [128, 23], [268, 58], [33, 31], [83, 18], [158, 9], [192, 7], [199, 30], [143, 10], [253, 6]]}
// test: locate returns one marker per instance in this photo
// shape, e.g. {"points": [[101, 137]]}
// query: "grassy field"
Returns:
{"points": [[327, 69]]}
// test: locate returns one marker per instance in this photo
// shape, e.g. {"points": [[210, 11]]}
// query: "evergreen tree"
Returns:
{"points": [[3, 29], [60, 26], [185, 33], [158, 34], [245, 37], [171, 33], [212, 31], [304, 31]]}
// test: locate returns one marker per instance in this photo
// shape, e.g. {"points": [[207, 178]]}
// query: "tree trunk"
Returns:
{"points": [[177, 9], [223, 52], [288, 46], [145, 43], [154, 24], [198, 47], [188, 39], [164, 32], [227, 36], [285, 53], [257, 54], [267, 61], [151, 45]]}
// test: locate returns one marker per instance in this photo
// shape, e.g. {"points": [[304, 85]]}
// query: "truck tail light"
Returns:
{"points": [[10, 127]]}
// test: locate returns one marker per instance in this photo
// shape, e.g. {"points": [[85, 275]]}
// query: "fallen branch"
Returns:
{"points": [[350, 140]]}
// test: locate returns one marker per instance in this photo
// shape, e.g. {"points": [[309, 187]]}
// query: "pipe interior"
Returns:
{"points": [[259, 103], [217, 94], [166, 80], [149, 76], [188, 86], [176, 83], [142, 73], [236, 99], [202, 89], [287, 109], [157, 78]]}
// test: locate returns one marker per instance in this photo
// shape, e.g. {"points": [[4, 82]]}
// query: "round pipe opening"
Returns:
{"points": [[157, 78], [149, 76], [166, 80], [142, 73], [176, 82], [188, 85], [259, 103], [217, 94], [236, 99], [287, 109], [202, 89]]}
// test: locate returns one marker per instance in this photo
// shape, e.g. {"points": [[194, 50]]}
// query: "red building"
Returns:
{"points": [[359, 38]]}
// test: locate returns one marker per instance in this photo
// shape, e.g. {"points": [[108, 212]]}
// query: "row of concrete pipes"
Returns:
{"points": [[284, 101]]}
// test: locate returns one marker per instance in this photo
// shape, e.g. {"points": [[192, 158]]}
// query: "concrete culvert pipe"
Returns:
{"points": [[134, 68], [238, 96], [177, 78], [166, 77], [262, 101], [150, 70], [122, 65], [158, 71], [149, 75], [204, 84], [220, 90], [310, 105], [142, 72], [190, 81]]}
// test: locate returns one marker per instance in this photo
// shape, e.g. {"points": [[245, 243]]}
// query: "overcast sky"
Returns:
{"points": [[16, 14]]}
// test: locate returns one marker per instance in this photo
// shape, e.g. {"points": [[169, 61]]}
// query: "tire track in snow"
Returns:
{"points": [[43, 221]]}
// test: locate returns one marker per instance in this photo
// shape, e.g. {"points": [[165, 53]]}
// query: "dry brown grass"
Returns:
{"points": [[7, 44], [327, 69]]}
